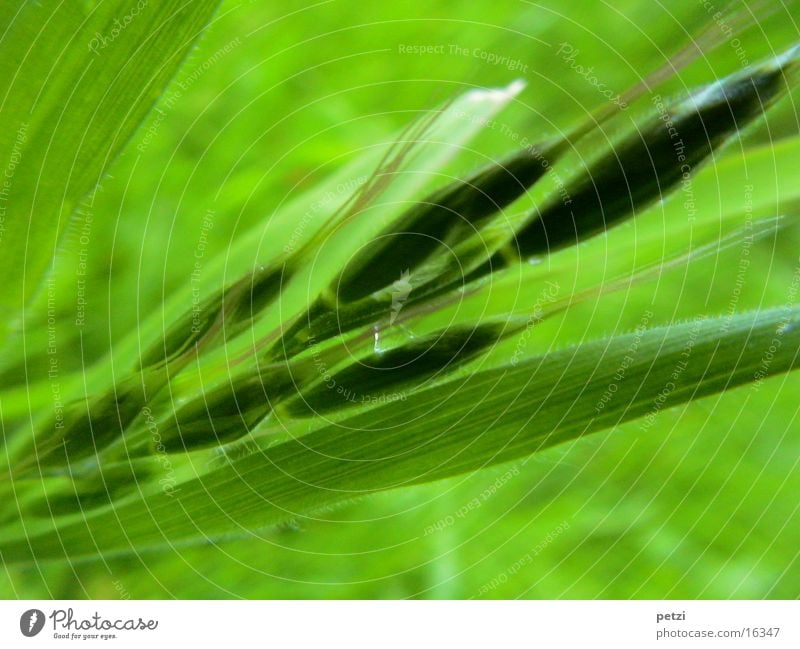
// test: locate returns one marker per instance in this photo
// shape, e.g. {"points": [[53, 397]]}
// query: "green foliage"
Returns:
{"points": [[393, 321]]}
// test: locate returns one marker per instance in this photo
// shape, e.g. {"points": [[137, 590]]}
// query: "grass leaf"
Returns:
{"points": [[98, 72], [473, 422]]}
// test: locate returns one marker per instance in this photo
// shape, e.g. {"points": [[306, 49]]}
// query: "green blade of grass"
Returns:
{"points": [[466, 424], [99, 72]]}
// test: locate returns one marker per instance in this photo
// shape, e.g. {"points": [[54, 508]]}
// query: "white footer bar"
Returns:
{"points": [[389, 624]]}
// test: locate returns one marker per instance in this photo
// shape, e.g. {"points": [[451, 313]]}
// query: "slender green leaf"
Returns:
{"points": [[472, 422], [97, 72]]}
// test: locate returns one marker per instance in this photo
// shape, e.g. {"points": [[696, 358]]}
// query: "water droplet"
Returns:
{"points": [[406, 331]]}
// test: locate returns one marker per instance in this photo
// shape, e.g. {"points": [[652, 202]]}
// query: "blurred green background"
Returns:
{"points": [[702, 504]]}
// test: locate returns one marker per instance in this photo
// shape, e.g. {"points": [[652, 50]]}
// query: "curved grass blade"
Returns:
{"points": [[66, 133], [464, 425]]}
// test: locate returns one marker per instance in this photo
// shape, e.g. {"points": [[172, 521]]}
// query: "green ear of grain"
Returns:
{"points": [[649, 163], [460, 209], [646, 165], [88, 426], [226, 413], [220, 317], [385, 376], [451, 215]]}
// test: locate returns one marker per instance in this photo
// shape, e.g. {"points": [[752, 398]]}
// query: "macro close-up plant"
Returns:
{"points": [[433, 300]]}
